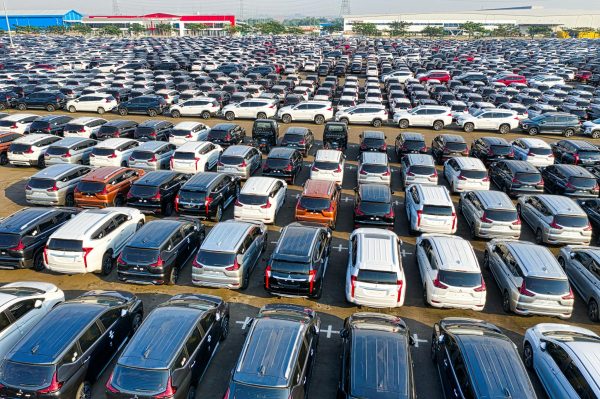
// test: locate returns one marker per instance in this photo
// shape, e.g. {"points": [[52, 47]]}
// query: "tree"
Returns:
{"points": [[398, 28], [137, 29], [472, 28], [110, 30], [432, 31], [270, 28], [232, 30], [195, 28], [294, 30], [539, 30], [82, 29], [56, 30], [164, 29], [27, 29], [335, 26], [506, 30], [365, 29]]}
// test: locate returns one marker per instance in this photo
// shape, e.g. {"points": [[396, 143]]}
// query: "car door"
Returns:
{"points": [[116, 329], [423, 252], [449, 350], [10, 334], [210, 338], [24, 315], [550, 365], [469, 211], [95, 351], [576, 269], [301, 369], [278, 194], [124, 229], [195, 362]]}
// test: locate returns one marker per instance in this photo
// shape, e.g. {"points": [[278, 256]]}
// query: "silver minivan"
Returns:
{"points": [[152, 155], [555, 219], [490, 214], [530, 278], [418, 169], [373, 167], [71, 150], [229, 253], [55, 185], [239, 160]]}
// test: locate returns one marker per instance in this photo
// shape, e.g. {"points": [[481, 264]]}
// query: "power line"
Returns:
{"points": [[345, 8], [115, 7]]}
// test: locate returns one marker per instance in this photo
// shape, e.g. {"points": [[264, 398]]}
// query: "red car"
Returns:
{"points": [[509, 79], [443, 77], [583, 76]]}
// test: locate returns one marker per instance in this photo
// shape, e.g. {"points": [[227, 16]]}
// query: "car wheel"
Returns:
{"points": [[486, 260], [245, 281], [225, 328], [473, 233], [438, 125], [107, 264], [72, 109], [229, 116], [168, 209], [3, 158], [345, 120], [596, 134], [173, 276], [261, 115], [568, 132], [504, 129], [377, 123], [101, 111], [205, 115], [136, 322], [528, 355], [119, 201], [152, 112], [124, 164], [561, 262], [425, 302], [505, 302], [218, 214], [22, 107], [69, 200], [122, 111], [403, 124], [38, 261], [287, 118], [593, 310], [41, 163], [175, 114], [468, 127], [319, 119], [84, 391], [539, 238], [533, 131]]}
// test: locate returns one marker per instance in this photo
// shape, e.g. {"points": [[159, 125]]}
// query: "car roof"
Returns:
{"points": [[152, 145], [297, 130], [226, 236], [377, 249], [378, 158], [224, 126], [202, 180], [237, 150], [153, 123], [156, 177], [47, 118], [582, 144], [281, 152], [413, 136], [495, 140], [103, 173], [18, 117], [434, 195], [120, 122], [259, 185], [537, 260], [373, 134], [84, 120], [454, 253], [469, 163], [520, 166], [113, 142], [494, 199], [32, 138], [54, 171], [154, 233], [452, 138], [69, 141], [328, 156], [574, 170], [187, 125], [375, 193], [318, 188], [420, 159], [560, 205], [23, 219], [83, 222]]}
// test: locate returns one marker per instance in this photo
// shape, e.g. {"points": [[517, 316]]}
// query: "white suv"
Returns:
{"points": [[254, 108], [372, 114], [429, 209], [196, 156], [328, 165], [188, 131], [260, 199], [91, 241], [17, 123], [97, 102], [86, 126], [29, 150], [466, 174], [315, 111], [501, 120], [204, 107], [424, 115], [113, 152]]}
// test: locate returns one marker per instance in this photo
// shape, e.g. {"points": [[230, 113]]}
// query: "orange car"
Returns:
{"points": [[319, 202], [5, 139], [106, 186]]}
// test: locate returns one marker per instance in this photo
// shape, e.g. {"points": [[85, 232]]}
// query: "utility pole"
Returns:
{"points": [[8, 24], [115, 7], [241, 10], [345, 8]]}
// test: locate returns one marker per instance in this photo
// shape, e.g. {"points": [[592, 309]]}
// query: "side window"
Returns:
{"points": [[110, 227], [354, 250], [193, 341], [461, 374], [108, 318], [246, 244], [181, 359], [302, 356], [578, 382], [4, 321], [177, 238], [21, 308], [207, 322], [71, 355], [47, 225], [120, 219], [89, 337]]}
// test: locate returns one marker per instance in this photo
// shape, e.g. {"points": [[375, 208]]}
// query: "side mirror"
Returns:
{"points": [[314, 329], [344, 333], [355, 189], [543, 346], [124, 312], [441, 339], [38, 303], [572, 255]]}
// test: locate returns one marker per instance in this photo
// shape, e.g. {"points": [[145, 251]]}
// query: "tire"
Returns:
{"points": [[168, 211], [84, 391], [173, 276], [72, 109], [432, 353], [245, 281], [261, 115], [425, 303], [504, 129], [229, 116], [38, 261], [287, 118], [69, 200], [123, 111], [533, 131], [136, 322], [41, 163], [218, 214], [528, 355], [205, 115], [592, 310], [596, 134], [319, 119], [468, 127], [539, 238], [119, 201], [473, 233], [561, 262], [22, 107], [377, 123], [225, 328], [152, 113], [505, 302], [101, 111], [108, 264], [403, 124], [124, 164], [438, 125], [175, 114], [345, 120], [3, 158], [568, 132]]}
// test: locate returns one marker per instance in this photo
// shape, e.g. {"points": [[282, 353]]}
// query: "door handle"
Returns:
{"points": [[86, 360], [193, 364]]}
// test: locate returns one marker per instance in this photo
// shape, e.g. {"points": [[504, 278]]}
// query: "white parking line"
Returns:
{"points": [[404, 253], [346, 199], [417, 340], [398, 202], [330, 331], [244, 323], [340, 247]]}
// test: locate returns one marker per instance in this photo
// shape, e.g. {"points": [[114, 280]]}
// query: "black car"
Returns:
{"points": [[159, 250], [592, 209], [192, 325], [155, 191], [283, 162], [300, 138], [278, 355], [446, 146], [410, 143], [570, 181], [373, 206], [297, 265], [226, 134], [335, 136], [265, 134], [120, 128], [516, 177], [50, 124], [59, 359], [368, 370], [150, 105], [372, 140], [48, 100], [551, 122], [576, 152], [207, 194], [491, 149], [24, 234], [153, 129], [475, 360], [8, 99]]}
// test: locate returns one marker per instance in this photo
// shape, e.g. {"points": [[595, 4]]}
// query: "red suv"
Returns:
{"points": [[510, 79], [442, 76]]}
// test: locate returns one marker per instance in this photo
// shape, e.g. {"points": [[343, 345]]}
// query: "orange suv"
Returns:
{"points": [[319, 202], [106, 186]]}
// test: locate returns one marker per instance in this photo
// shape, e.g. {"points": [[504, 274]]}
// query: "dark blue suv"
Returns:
{"points": [[150, 105], [48, 100]]}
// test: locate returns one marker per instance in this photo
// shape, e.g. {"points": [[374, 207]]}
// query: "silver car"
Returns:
{"points": [[229, 253], [530, 279], [55, 185], [418, 169], [582, 265], [152, 155], [70, 150], [490, 214], [239, 160], [555, 219], [373, 167]]}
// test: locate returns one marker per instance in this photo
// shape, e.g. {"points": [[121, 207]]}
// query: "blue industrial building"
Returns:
{"points": [[40, 18]]}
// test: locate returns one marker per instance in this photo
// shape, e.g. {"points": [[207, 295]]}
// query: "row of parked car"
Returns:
{"points": [[167, 353]]}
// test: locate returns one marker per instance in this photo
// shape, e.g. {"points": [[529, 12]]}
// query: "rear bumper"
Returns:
{"points": [[206, 280], [314, 219], [564, 312], [553, 238], [8, 262], [142, 278]]}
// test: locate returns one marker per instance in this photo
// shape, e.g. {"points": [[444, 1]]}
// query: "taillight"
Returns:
{"points": [[28, 151], [362, 172], [54, 386], [86, 251], [153, 159], [196, 264], [120, 260], [20, 246], [438, 284], [555, 225], [588, 227], [53, 188], [104, 191], [576, 159], [113, 155], [312, 276], [46, 254], [517, 222], [234, 267], [453, 220], [14, 126], [109, 385], [399, 284], [352, 285], [226, 396], [568, 296], [243, 164], [387, 172], [267, 205], [169, 391], [461, 177], [159, 262], [66, 154], [177, 203], [524, 291], [156, 196], [419, 216], [81, 130], [288, 168], [267, 276], [485, 219], [482, 287], [339, 169], [358, 212], [188, 136], [207, 203]]}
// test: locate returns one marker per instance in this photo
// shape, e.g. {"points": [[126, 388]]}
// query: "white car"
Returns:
{"points": [[310, 66], [450, 274], [424, 115], [196, 156], [113, 152], [314, 111], [204, 107], [260, 199], [501, 120], [22, 306], [591, 128], [548, 80], [466, 174], [429, 209], [29, 150], [17, 123], [188, 131], [400, 76], [253, 108], [328, 165], [91, 241], [97, 102], [86, 127], [372, 114]]}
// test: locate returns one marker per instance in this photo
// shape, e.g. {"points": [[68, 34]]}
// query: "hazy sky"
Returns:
{"points": [[283, 8]]}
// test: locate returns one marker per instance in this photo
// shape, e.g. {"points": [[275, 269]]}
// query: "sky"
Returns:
{"points": [[283, 8]]}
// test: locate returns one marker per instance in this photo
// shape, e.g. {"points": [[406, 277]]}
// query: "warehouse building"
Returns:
{"points": [[40, 18]]}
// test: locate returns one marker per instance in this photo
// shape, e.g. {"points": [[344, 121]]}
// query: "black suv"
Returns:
{"points": [[373, 206], [278, 355], [207, 194], [155, 191], [551, 122], [571, 181], [192, 325], [48, 100], [119, 128], [285, 163], [371, 140], [592, 209], [300, 138], [159, 250], [153, 130], [59, 359], [446, 146], [367, 339], [50, 124], [491, 149], [475, 360], [576, 152], [298, 263], [516, 177], [226, 134], [410, 143], [150, 105], [24, 234]]}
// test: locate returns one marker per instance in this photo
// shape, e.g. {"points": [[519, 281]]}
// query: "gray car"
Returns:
{"points": [[152, 155], [239, 160], [228, 254], [490, 214], [418, 168], [582, 265], [70, 150], [55, 185], [530, 279]]}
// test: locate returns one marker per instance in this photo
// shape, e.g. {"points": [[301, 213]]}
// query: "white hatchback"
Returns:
{"points": [[260, 199]]}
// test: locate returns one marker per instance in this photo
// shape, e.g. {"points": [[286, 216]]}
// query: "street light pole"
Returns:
{"points": [[8, 24]]}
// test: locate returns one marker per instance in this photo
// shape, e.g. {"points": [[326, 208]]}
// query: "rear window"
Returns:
{"points": [[336, 128], [528, 177], [8, 240], [18, 147], [413, 145], [373, 142], [474, 174], [212, 258], [314, 204], [583, 182], [70, 127], [290, 267], [500, 215], [422, 170], [180, 132], [40, 183], [377, 277], [501, 149], [437, 210], [571, 221], [459, 279], [144, 131], [371, 168], [145, 381], [27, 375], [184, 156], [263, 126], [547, 286], [91, 187], [218, 134], [140, 190], [540, 151], [249, 199], [589, 154], [39, 126], [139, 255], [276, 163], [326, 165], [108, 130], [102, 152], [293, 138], [191, 195], [7, 123], [58, 244], [453, 146], [375, 208], [56, 150], [142, 155], [231, 160]]}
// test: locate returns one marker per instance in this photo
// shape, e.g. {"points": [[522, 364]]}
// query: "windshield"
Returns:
{"points": [[314, 204], [540, 151], [144, 131], [102, 152], [17, 147], [243, 391], [27, 375], [91, 187], [145, 381], [413, 144], [290, 267], [376, 277], [231, 160], [107, 130], [216, 259], [277, 163], [459, 279], [293, 138], [250, 199], [180, 132], [39, 126], [264, 126], [139, 255], [40, 183], [547, 286], [71, 127], [218, 134]]}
